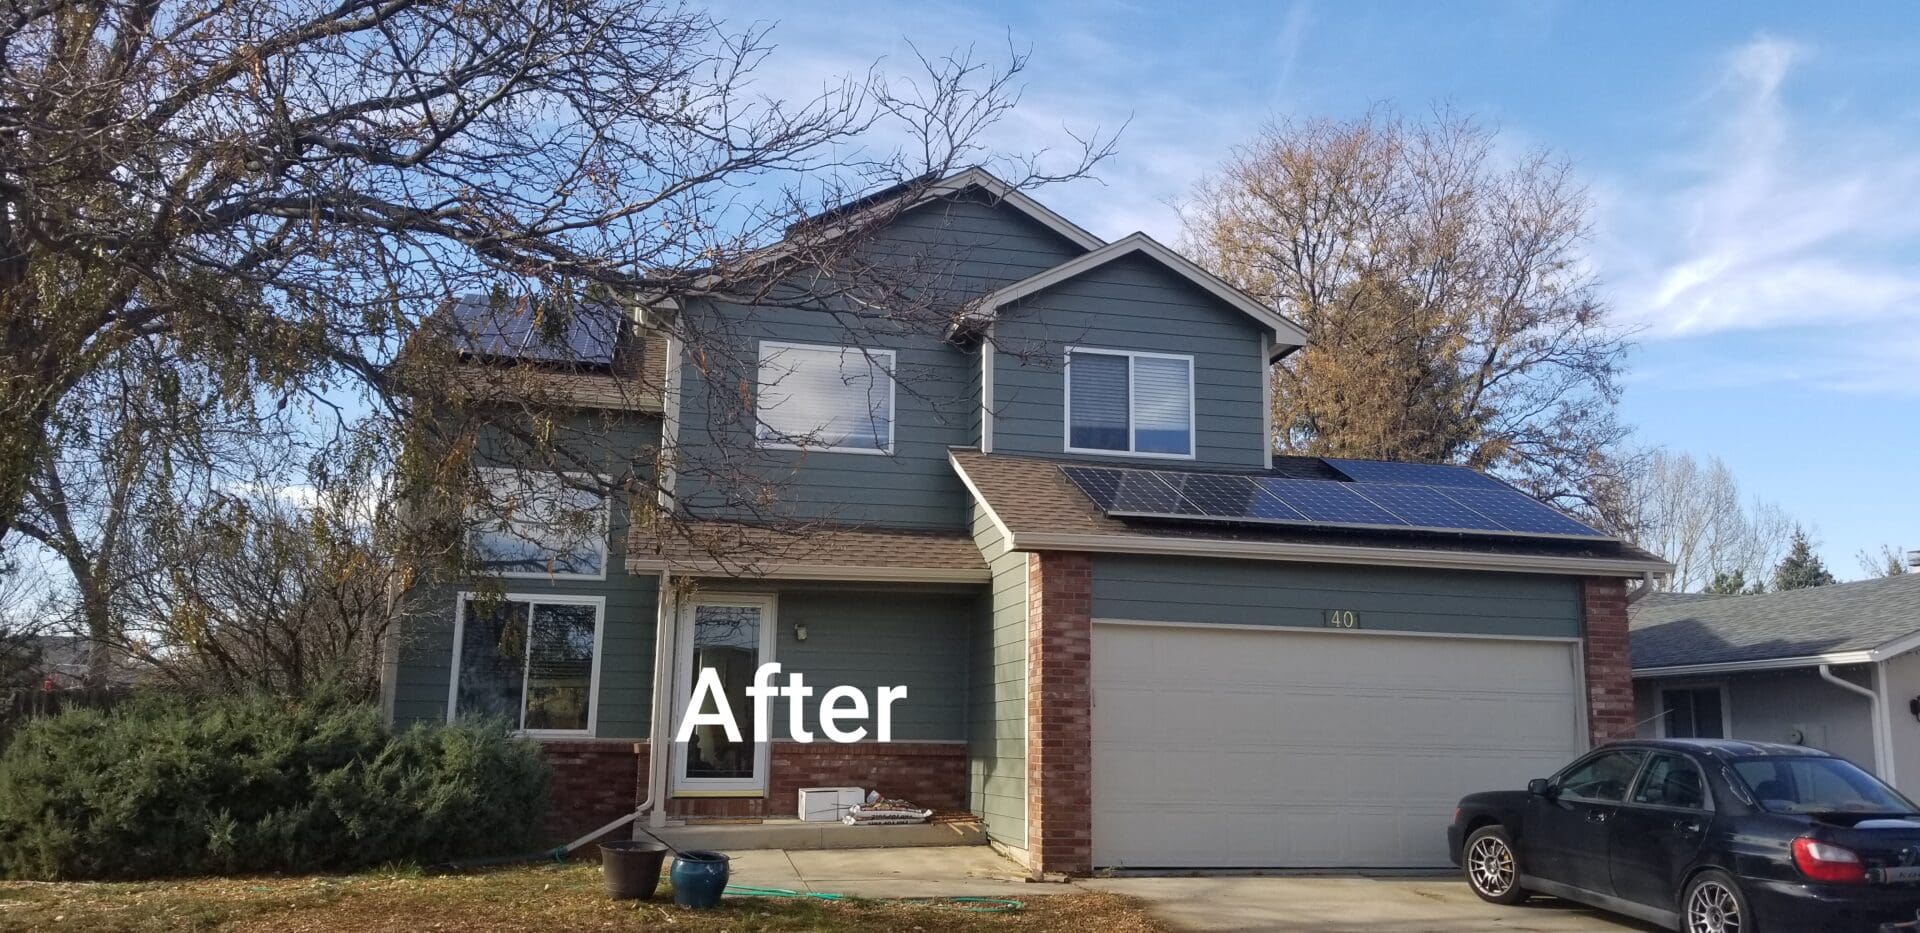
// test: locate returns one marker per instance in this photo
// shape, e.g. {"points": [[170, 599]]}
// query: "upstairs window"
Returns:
{"points": [[1121, 401], [825, 398], [539, 525]]}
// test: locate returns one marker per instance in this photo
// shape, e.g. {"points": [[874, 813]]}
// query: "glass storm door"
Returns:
{"points": [[731, 636]]}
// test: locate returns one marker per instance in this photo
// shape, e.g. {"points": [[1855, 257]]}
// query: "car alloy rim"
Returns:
{"points": [[1490, 866], [1712, 908]]}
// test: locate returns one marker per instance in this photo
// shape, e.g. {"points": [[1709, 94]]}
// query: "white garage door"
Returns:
{"points": [[1217, 747]]}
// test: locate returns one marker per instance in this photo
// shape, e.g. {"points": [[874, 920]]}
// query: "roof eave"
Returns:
{"points": [[1755, 664], [1557, 565]]}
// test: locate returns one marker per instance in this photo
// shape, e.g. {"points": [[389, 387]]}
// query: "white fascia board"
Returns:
{"points": [[1330, 554], [1897, 647], [1006, 534], [1287, 334], [1761, 664]]}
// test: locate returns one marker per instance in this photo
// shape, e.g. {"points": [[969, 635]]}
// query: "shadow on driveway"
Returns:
{"points": [[1347, 904]]}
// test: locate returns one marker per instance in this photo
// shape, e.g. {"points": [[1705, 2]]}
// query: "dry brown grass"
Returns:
{"points": [[536, 898]]}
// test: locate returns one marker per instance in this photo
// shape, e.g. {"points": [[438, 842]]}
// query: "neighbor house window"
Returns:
{"points": [[535, 524], [825, 398], [1693, 713], [1127, 402], [526, 659]]}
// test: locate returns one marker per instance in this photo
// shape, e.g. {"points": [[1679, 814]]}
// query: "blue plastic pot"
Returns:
{"points": [[699, 878]]}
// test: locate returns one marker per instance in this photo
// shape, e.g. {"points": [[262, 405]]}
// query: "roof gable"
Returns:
{"points": [[1288, 336]]}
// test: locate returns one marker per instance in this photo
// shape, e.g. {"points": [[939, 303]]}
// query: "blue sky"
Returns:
{"points": [[1755, 169]]}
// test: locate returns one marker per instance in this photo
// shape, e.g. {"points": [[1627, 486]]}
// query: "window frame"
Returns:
{"points": [[893, 397], [599, 604], [1626, 792], [600, 540], [1133, 442], [1660, 700], [1646, 771]]}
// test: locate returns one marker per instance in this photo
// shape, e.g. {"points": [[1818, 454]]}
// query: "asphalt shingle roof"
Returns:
{"points": [[1674, 629]]}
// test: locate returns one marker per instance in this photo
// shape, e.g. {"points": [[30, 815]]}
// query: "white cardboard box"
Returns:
{"points": [[826, 804]]}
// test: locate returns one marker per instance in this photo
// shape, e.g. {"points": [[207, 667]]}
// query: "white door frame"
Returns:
{"points": [[683, 683]]}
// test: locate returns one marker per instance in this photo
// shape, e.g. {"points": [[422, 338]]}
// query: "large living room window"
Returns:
{"points": [[537, 524], [528, 659], [1693, 713], [1127, 402], [818, 398]]}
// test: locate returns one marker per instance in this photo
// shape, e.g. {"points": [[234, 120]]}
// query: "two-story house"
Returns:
{"points": [[1131, 635]]}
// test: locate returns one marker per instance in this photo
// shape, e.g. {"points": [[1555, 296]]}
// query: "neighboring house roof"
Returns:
{"points": [[516, 331], [806, 552], [596, 361], [1843, 623], [1287, 334], [1036, 507]]}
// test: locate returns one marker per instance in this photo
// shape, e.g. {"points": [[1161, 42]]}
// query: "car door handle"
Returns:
{"points": [[1689, 827], [1596, 816]]}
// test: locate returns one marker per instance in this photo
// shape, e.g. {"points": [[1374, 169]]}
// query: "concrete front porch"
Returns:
{"points": [[798, 834], [946, 871]]}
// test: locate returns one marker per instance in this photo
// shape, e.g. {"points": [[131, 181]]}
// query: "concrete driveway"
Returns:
{"points": [[1317, 904]]}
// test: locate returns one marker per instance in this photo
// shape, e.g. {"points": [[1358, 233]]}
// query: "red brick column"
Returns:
{"points": [[1609, 666], [594, 783], [1059, 713]]}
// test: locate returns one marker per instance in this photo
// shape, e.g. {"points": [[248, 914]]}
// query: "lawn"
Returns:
{"points": [[538, 898]]}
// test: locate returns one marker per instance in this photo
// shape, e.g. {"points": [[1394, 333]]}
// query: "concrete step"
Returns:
{"points": [[796, 834]]}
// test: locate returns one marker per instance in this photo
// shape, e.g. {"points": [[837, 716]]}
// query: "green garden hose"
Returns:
{"points": [[981, 905]]}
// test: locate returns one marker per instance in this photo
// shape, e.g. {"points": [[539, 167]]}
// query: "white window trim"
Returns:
{"points": [[599, 604], [1066, 406], [600, 540], [1660, 704], [893, 393], [684, 680]]}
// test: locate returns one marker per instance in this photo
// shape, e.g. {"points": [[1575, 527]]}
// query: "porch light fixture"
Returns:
{"points": [[799, 631]]}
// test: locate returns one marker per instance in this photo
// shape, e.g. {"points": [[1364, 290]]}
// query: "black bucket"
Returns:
{"points": [[632, 868]]}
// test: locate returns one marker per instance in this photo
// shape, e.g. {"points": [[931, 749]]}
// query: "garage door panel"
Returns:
{"points": [[1288, 748]]}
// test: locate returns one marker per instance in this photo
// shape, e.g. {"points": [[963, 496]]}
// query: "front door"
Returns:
{"points": [[1656, 833], [730, 636], [1567, 832]]}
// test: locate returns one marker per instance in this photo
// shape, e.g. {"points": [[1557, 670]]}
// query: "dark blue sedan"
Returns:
{"points": [[1705, 836]]}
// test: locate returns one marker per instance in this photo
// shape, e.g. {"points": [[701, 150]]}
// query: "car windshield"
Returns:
{"points": [[1817, 785]]}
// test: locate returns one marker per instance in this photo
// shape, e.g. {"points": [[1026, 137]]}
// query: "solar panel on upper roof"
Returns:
{"points": [[1270, 499], [1518, 512], [518, 330], [1414, 474]]}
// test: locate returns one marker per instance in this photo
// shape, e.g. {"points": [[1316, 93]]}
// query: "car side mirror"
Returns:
{"points": [[1539, 787]]}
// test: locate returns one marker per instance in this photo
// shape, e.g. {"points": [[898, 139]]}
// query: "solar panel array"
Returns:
{"points": [[1490, 507], [517, 330]]}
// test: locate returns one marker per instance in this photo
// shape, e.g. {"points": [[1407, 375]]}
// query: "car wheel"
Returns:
{"points": [[1714, 904], [1493, 870]]}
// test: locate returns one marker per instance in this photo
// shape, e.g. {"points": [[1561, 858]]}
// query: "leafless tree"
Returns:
{"points": [[1888, 561], [1454, 314], [274, 202], [1696, 516]]}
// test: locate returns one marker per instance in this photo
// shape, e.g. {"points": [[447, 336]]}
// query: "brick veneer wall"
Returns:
{"points": [[931, 774], [1059, 712], [594, 783], [1609, 670]]}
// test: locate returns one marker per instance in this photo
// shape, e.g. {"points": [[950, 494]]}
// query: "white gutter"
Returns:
{"points": [[1764, 664], [1882, 754], [1332, 554]]}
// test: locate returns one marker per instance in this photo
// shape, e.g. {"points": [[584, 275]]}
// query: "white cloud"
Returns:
{"points": [[1778, 221]]}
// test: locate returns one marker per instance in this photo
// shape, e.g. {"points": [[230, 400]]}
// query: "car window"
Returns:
{"points": [[1817, 785], [1604, 776], [1671, 781]]}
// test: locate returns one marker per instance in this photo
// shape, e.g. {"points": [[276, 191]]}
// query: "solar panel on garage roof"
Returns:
{"points": [[1267, 499], [1414, 474], [517, 330]]}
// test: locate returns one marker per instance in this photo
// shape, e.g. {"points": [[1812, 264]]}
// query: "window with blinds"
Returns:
{"points": [[825, 398], [1127, 402]]}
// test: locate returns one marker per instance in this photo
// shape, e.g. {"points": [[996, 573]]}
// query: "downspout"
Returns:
{"points": [[1882, 759]]}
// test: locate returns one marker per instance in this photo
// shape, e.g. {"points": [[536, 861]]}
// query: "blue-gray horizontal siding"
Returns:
{"points": [[1248, 592], [1130, 304], [965, 247], [624, 702], [887, 638], [997, 720]]}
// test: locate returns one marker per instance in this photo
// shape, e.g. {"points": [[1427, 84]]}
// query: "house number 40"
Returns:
{"points": [[1342, 618]]}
